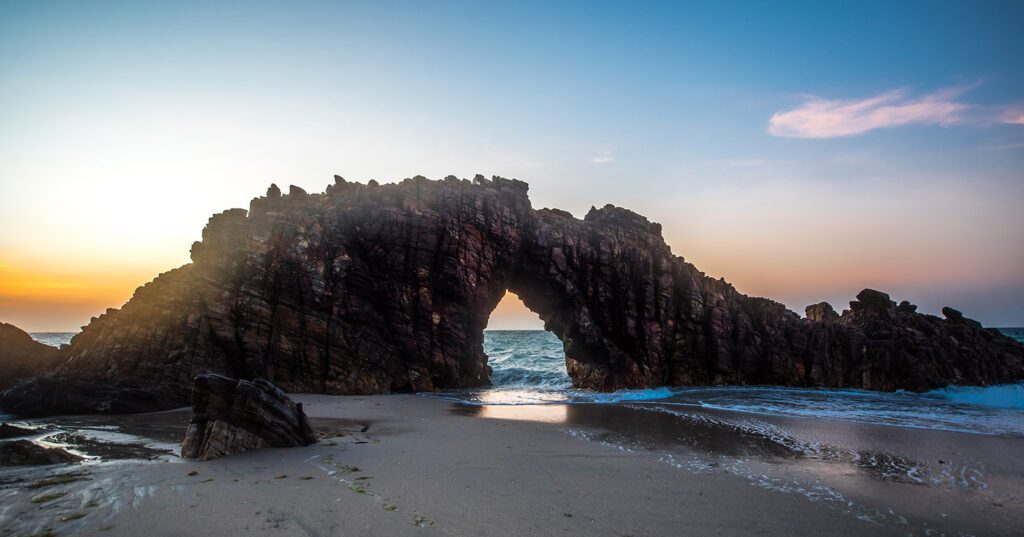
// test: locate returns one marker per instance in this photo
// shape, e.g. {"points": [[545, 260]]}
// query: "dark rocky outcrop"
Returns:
{"points": [[13, 431], [23, 357], [45, 396], [377, 288], [25, 452], [233, 416], [906, 307]]}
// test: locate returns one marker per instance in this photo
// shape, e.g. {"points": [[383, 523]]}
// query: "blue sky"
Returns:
{"points": [[801, 151]]}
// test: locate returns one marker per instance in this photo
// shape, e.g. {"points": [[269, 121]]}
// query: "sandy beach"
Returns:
{"points": [[412, 465]]}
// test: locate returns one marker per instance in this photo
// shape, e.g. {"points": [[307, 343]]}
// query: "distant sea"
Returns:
{"points": [[55, 339], [529, 368]]}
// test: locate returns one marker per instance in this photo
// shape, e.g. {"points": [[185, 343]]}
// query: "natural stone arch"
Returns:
{"points": [[376, 288]]}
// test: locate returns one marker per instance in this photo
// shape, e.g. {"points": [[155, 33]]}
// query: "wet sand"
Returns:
{"points": [[409, 465]]}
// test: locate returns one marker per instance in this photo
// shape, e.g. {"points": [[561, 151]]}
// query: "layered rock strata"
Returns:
{"points": [[387, 288], [233, 416]]}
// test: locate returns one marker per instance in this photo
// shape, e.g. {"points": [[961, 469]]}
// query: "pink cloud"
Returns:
{"points": [[830, 118], [1013, 116]]}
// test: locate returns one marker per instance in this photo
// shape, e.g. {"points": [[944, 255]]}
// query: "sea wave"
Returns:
{"points": [[1001, 396], [53, 339], [530, 377], [651, 394]]}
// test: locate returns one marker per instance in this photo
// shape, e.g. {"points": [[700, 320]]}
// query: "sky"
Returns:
{"points": [[801, 151]]}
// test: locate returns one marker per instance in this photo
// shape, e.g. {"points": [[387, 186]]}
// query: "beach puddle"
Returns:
{"points": [[542, 413], [86, 495]]}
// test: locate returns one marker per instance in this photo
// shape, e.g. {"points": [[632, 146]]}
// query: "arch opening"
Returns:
{"points": [[527, 362]]}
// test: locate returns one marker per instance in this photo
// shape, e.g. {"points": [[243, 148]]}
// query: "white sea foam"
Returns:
{"points": [[54, 339]]}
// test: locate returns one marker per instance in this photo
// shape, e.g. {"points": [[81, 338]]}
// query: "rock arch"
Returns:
{"points": [[376, 288]]}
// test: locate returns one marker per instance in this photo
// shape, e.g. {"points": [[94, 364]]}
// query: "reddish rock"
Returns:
{"points": [[233, 416]]}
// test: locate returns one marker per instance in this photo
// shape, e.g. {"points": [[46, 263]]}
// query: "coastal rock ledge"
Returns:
{"points": [[374, 288], [21, 356], [233, 416]]}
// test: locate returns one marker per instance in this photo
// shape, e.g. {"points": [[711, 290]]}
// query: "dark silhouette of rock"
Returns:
{"points": [[955, 317], [906, 307], [26, 452], [873, 301], [45, 396], [387, 288], [233, 416], [22, 357], [12, 431]]}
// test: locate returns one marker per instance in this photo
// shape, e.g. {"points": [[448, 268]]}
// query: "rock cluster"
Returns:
{"points": [[22, 357], [387, 288], [233, 416], [26, 452]]}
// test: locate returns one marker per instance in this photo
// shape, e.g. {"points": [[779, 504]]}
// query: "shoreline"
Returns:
{"points": [[406, 464]]}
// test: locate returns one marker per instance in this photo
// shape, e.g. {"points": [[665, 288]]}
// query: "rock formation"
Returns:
{"points": [[26, 452], [46, 396], [22, 357], [822, 311], [13, 431], [233, 416], [376, 288]]}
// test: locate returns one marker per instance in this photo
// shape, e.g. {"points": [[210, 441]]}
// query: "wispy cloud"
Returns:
{"points": [[1013, 115], [603, 158], [830, 118]]}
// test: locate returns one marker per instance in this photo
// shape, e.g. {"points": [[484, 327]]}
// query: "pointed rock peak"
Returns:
{"points": [[296, 192], [273, 191]]}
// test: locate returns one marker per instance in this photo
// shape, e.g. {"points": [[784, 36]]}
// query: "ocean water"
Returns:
{"points": [[529, 369], [54, 339]]}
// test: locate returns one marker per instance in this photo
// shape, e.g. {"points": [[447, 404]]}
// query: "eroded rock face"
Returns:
{"points": [[25, 452], [23, 357], [822, 311], [376, 288], [233, 416]]}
